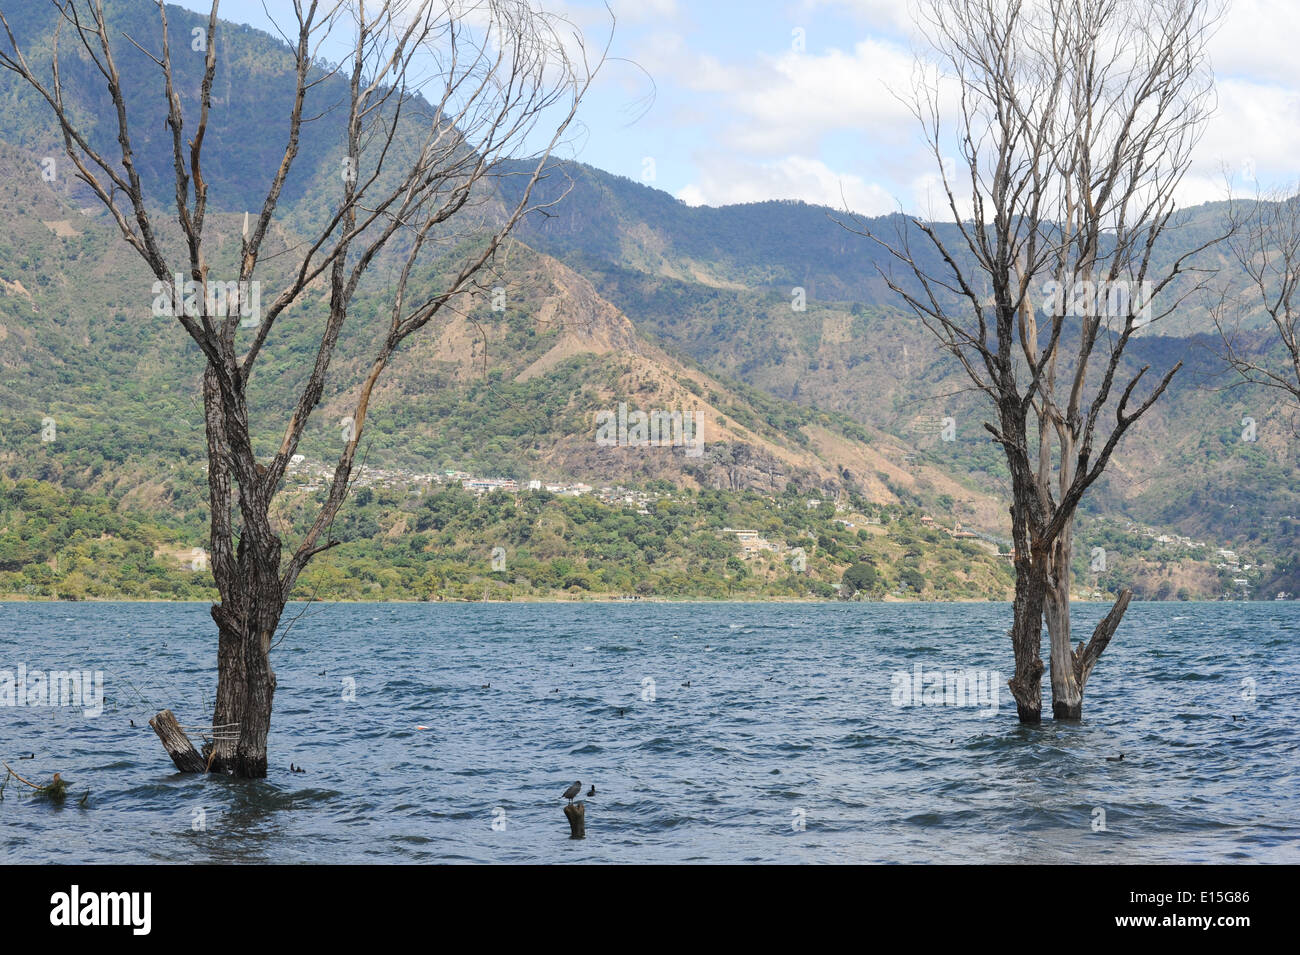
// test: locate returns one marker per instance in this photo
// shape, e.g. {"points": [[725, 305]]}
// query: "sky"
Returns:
{"points": [[762, 99]]}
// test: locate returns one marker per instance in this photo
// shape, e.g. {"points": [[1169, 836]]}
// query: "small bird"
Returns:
{"points": [[296, 769], [687, 683], [592, 790], [486, 686], [1114, 759], [133, 723], [573, 791], [620, 712]]}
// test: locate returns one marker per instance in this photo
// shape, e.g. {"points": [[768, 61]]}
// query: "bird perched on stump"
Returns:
{"points": [[573, 790]]}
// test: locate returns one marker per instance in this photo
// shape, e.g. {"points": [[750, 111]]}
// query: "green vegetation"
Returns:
{"points": [[75, 546], [439, 544], [115, 504]]}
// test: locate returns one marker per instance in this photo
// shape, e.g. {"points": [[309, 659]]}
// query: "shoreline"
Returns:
{"points": [[27, 599]]}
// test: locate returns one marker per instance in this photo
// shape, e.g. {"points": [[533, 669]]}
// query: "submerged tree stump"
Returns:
{"points": [[1067, 700], [576, 813], [177, 744]]}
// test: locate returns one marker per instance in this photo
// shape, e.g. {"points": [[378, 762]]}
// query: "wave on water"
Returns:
{"points": [[417, 725]]}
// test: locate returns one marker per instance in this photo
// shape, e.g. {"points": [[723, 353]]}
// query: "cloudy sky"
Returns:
{"points": [[791, 99]]}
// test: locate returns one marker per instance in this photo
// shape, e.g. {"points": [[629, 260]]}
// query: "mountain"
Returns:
{"points": [[767, 322], [718, 284]]}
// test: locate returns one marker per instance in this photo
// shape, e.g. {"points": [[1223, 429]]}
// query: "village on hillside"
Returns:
{"points": [[310, 476]]}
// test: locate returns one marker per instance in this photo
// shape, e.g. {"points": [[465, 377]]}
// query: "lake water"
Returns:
{"points": [[787, 745]]}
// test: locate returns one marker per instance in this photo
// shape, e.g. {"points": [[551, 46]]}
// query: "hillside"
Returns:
{"points": [[717, 284], [624, 297]]}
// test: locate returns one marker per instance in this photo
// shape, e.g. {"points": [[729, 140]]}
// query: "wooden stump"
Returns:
{"points": [[576, 813], [177, 744]]}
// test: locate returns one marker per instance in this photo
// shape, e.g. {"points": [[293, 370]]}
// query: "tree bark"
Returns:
{"points": [[1056, 613], [1027, 610], [1068, 704], [252, 596], [1026, 642], [576, 813], [177, 744], [245, 679]]}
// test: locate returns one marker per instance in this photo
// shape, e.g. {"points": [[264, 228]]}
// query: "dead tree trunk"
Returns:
{"points": [[1076, 665], [245, 679], [246, 690], [1031, 582], [576, 813], [1063, 183], [1026, 643], [248, 579], [508, 80], [177, 744], [1056, 614]]}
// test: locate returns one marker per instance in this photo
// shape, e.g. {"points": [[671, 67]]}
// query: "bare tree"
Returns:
{"points": [[1073, 126], [1266, 244], [439, 94]]}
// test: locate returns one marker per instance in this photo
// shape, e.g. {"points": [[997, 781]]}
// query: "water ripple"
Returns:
{"points": [[712, 732]]}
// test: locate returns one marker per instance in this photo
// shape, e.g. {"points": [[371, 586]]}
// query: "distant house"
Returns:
{"points": [[750, 542], [484, 485]]}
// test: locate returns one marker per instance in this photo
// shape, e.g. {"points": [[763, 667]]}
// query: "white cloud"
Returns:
{"points": [[1256, 127], [929, 196], [726, 180], [775, 104], [873, 12], [800, 97], [802, 124], [639, 11], [1257, 39]]}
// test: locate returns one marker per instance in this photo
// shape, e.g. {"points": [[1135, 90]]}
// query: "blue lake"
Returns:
{"points": [[787, 746]]}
